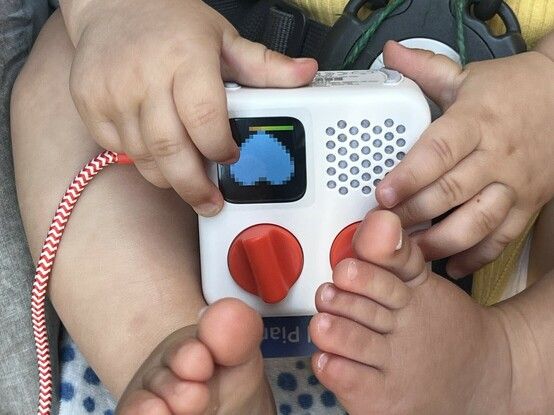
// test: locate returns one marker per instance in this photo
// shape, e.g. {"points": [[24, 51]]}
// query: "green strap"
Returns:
{"points": [[379, 17], [461, 5]]}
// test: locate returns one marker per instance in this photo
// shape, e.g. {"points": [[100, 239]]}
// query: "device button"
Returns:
{"points": [[342, 245], [231, 85], [393, 77], [266, 260]]}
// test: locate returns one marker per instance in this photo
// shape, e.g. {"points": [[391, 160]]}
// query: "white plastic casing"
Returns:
{"points": [[354, 97], [422, 43]]}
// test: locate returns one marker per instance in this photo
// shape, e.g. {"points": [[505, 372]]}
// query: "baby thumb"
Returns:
{"points": [[438, 76], [252, 64]]}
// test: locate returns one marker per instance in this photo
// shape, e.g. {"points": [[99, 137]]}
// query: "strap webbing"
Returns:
{"points": [[314, 40], [277, 30], [265, 22]]}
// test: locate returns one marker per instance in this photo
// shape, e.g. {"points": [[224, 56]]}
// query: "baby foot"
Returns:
{"points": [[213, 368], [420, 347]]}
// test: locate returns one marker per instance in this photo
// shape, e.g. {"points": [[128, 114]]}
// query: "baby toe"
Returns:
{"points": [[358, 387], [232, 331], [344, 337], [189, 359], [142, 402], [373, 282], [355, 307], [182, 397], [381, 241]]}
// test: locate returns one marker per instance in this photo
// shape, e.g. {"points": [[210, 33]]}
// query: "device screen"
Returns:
{"points": [[272, 164]]}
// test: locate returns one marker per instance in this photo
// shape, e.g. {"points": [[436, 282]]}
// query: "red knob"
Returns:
{"points": [[342, 245], [266, 260]]}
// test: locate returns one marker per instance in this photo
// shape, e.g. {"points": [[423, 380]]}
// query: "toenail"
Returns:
{"points": [[323, 322], [352, 270], [328, 293], [322, 361], [399, 244]]}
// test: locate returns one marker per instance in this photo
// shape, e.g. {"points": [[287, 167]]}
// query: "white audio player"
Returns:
{"points": [[311, 158]]}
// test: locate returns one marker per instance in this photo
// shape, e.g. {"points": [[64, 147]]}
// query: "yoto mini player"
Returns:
{"points": [[310, 159]]}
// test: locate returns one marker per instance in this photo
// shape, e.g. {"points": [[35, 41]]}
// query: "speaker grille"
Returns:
{"points": [[359, 155]]}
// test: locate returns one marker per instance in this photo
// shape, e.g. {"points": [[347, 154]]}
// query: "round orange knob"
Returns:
{"points": [[342, 245], [266, 260]]}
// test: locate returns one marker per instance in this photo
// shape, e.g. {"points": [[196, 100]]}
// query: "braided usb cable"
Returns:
{"points": [[44, 269]]}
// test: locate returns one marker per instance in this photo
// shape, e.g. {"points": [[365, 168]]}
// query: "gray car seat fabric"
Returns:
{"points": [[20, 22]]}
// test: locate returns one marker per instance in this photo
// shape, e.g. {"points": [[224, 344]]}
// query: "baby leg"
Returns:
{"points": [[127, 275]]}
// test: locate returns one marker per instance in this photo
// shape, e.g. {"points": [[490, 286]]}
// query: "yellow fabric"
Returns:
{"points": [[535, 16], [324, 11], [490, 282], [537, 19]]}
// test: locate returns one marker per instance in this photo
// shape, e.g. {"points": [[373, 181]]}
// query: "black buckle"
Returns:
{"points": [[432, 19], [486, 9], [296, 38], [346, 31]]}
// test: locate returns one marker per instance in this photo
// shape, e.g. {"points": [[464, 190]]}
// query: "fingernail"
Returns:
{"points": [[417, 234], [202, 311], [401, 45], [387, 196], [399, 244], [208, 209], [322, 361], [303, 60], [455, 273], [328, 293], [233, 159], [352, 270], [323, 323]]}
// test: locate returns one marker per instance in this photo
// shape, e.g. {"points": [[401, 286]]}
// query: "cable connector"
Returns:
{"points": [[122, 158]]}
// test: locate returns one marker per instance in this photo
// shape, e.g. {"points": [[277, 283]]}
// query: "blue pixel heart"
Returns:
{"points": [[263, 159]]}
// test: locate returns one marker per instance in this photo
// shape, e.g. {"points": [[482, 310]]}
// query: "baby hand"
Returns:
{"points": [[490, 155], [147, 81]]}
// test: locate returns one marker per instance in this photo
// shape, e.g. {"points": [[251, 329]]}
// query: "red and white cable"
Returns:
{"points": [[44, 269]]}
